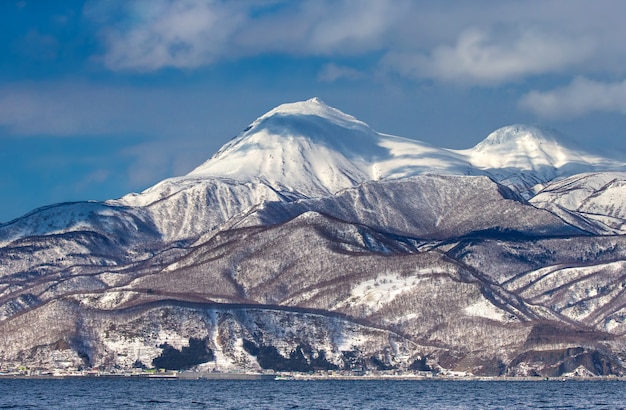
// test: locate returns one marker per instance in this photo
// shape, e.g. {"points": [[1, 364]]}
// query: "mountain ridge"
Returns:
{"points": [[390, 157], [311, 148], [314, 242]]}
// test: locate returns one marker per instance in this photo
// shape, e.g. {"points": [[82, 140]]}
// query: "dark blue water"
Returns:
{"points": [[331, 394]]}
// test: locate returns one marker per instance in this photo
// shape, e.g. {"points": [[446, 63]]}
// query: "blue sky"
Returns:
{"points": [[102, 98]]}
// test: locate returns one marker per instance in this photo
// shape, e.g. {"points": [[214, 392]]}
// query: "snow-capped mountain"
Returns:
{"points": [[530, 148], [305, 147], [525, 158], [310, 149], [312, 241]]}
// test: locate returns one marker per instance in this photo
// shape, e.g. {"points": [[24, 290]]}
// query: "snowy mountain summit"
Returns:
{"points": [[530, 148], [313, 149], [305, 146]]}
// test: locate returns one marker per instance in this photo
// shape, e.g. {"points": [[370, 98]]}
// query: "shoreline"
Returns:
{"points": [[288, 376]]}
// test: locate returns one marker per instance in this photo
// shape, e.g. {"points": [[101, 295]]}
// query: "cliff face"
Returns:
{"points": [[313, 242]]}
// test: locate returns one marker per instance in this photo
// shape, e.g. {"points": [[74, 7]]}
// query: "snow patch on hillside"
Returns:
{"points": [[483, 308], [378, 292]]}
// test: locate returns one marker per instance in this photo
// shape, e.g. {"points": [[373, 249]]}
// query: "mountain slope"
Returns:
{"points": [[594, 199], [309, 150], [426, 207], [313, 242]]}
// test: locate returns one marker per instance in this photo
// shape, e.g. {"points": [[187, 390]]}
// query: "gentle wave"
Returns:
{"points": [[324, 394]]}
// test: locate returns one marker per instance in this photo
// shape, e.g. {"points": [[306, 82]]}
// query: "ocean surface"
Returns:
{"points": [[103, 393]]}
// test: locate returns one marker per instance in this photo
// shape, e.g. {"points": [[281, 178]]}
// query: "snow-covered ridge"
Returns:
{"points": [[312, 149]]}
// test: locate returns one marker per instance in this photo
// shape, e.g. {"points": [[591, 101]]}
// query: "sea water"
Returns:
{"points": [[114, 393]]}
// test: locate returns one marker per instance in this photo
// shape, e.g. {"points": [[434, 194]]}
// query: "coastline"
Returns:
{"points": [[293, 376]]}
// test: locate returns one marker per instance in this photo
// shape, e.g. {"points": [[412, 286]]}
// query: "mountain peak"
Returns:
{"points": [[312, 107], [526, 147], [304, 146], [312, 149], [514, 136]]}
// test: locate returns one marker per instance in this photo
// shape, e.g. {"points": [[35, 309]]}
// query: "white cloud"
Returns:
{"points": [[154, 34], [580, 97], [163, 33], [332, 72], [470, 43], [490, 58], [351, 26]]}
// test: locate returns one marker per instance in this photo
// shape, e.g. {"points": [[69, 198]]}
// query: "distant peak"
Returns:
{"points": [[520, 134], [313, 107], [529, 147]]}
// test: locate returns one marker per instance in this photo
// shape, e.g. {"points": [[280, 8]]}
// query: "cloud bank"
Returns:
{"points": [[156, 34], [481, 43], [580, 97], [160, 33], [483, 58]]}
